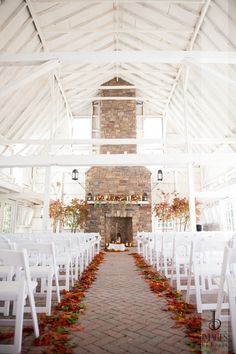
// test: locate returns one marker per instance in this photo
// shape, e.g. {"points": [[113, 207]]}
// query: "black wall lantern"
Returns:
{"points": [[75, 175], [89, 197], [159, 175]]}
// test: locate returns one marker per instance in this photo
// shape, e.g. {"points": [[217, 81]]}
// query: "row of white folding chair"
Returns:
{"points": [[17, 289], [6, 273], [43, 267], [205, 266], [227, 289], [174, 254], [85, 249], [169, 252], [62, 251]]}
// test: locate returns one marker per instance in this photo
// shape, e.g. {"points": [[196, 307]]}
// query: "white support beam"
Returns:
{"points": [[117, 98], [214, 194], [124, 1], [155, 86], [169, 159], [192, 207], [112, 57], [45, 47], [81, 31], [46, 199], [189, 48], [31, 76], [125, 141]]}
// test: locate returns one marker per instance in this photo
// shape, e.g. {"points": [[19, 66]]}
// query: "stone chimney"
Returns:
{"points": [[126, 218]]}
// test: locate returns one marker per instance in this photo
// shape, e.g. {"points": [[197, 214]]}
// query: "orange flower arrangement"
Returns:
{"points": [[76, 214], [56, 212]]}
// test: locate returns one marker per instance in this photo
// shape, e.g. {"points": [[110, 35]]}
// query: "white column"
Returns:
{"points": [[46, 199], [192, 210]]}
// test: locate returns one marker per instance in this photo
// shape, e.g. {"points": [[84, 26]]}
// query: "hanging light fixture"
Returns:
{"points": [[89, 197], [144, 197], [159, 175], [75, 175]]}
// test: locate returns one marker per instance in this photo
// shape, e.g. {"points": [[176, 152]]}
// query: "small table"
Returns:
{"points": [[116, 247]]}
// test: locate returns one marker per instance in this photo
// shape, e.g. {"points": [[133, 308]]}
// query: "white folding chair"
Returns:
{"points": [[231, 283], [64, 260], [205, 267], [181, 260], [166, 254], [43, 266], [17, 289]]}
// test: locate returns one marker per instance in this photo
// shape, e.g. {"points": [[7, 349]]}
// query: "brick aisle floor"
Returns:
{"points": [[123, 316]]}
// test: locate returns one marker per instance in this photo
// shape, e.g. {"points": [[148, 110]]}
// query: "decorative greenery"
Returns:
{"points": [[174, 207], [180, 211], [56, 212], [118, 197], [76, 214], [163, 209]]}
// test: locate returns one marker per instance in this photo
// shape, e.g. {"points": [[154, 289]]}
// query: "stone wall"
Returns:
{"points": [[118, 120]]}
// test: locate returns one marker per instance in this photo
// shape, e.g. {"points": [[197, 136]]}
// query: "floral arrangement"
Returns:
{"points": [[76, 214], [163, 210], [117, 197], [180, 209], [171, 207], [73, 215], [56, 212]]}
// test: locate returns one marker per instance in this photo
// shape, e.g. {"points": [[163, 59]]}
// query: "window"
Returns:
{"points": [[149, 128], [230, 216], [152, 128], [7, 212], [159, 226], [82, 128]]}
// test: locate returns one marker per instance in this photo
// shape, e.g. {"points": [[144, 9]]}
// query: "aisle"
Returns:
{"points": [[123, 316]]}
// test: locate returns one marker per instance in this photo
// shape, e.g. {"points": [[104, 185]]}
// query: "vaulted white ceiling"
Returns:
{"points": [[39, 99]]}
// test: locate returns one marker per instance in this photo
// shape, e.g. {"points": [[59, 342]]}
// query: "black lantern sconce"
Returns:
{"points": [[75, 175], [89, 197], [144, 197], [159, 175]]}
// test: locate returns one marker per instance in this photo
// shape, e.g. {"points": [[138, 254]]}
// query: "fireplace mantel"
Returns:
{"points": [[139, 202]]}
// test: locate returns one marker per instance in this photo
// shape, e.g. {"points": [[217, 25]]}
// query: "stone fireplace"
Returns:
{"points": [[118, 219]]}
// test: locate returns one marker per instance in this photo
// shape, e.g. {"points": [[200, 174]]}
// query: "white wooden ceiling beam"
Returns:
{"points": [[171, 57], [122, 141], [45, 47], [117, 98], [190, 46], [31, 76], [123, 1], [170, 159], [134, 30]]}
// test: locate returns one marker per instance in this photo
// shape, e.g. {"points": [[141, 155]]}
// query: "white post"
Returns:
{"points": [[192, 210], [46, 199]]}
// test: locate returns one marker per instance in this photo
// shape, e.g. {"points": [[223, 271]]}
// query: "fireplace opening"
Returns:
{"points": [[119, 230]]}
